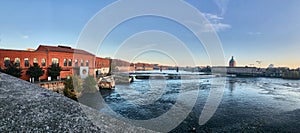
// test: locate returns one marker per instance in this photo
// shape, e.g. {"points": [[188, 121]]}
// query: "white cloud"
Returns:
{"points": [[212, 16], [25, 36], [222, 4], [220, 26], [214, 24], [254, 33]]}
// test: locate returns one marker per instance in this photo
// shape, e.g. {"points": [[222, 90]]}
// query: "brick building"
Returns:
{"points": [[102, 65], [143, 67], [68, 58]]}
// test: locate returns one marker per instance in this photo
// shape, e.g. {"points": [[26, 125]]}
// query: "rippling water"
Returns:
{"points": [[248, 104]]}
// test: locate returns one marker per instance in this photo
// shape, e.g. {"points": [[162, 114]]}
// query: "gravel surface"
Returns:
{"points": [[25, 107]]}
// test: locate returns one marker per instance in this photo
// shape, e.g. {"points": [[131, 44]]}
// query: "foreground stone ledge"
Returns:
{"points": [[25, 107]]}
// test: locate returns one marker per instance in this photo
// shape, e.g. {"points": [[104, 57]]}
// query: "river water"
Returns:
{"points": [[247, 104]]}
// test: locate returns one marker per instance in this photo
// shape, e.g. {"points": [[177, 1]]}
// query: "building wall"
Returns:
{"points": [[41, 53], [13, 54], [102, 65], [238, 70], [143, 67]]}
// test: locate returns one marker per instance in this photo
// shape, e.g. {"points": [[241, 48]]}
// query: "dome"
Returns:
{"points": [[232, 62]]}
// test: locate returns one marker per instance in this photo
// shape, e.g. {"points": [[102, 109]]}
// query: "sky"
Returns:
{"points": [[250, 30]]}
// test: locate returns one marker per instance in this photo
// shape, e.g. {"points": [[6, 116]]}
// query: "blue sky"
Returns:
{"points": [[250, 30]]}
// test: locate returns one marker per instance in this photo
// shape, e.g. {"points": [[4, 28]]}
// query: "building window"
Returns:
{"points": [[87, 63], [17, 61], [26, 62], [70, 62], [6, 61], [81, 62], [35, 60], [55, 61], [65, 62], [43, 62], [76, 63]]}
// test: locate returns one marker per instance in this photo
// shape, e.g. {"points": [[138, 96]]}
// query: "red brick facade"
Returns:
{"points": [[103, 65], [143, 67], [66, 56]]}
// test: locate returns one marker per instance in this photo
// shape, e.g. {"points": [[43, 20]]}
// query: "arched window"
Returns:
{"points": [[6, 61], [76, 63], [35, 60], [43, 62], [81, 62], [70, 62], [17, 61], [65, 62], [87, 63], [26, 62], [55, 61]]}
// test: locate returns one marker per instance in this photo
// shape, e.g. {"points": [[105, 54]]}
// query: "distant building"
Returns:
{"points": [[232, 62], [271, 66], [239, 71], [275, 72], [143, 67], [102, 66]]}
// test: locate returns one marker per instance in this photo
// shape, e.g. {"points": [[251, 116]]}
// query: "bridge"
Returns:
{"points": [[166, 74]]}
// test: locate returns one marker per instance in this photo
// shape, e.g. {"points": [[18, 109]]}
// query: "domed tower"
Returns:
{"points": [[232, 62]]}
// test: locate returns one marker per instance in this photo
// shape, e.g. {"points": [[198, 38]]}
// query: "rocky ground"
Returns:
{"points": [[25, 107]]}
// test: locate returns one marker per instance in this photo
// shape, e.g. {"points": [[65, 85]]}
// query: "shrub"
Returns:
{"points": [[89, 85], [54, 71], [13, 69]]}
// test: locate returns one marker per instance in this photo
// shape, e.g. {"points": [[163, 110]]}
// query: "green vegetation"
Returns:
{"points": [[69, 90], [77, 83], [54, 71], [89, 85], [13, 69], [291, 75], [35, 71], [75, 87], [206, 69]]}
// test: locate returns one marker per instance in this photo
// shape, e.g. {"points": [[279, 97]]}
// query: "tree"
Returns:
{"points": [[73, 87], [69, 89], [206, 69], [35, 71], [54, 71], [89, 85], [13, 69]]}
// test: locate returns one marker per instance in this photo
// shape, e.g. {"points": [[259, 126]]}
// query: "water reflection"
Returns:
{"points": [[106, 92], [231, 84]]}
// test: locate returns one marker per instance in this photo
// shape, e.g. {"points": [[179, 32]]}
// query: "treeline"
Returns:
{"points": [[292, 74]]}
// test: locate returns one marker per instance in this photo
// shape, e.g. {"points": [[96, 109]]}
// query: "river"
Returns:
{"points": [[247, 104]]}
